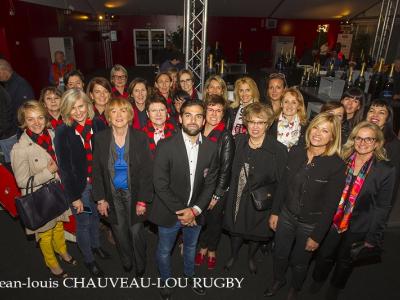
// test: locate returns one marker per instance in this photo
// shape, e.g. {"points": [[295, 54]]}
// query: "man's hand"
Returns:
{"points": [[186, 216], [311, 245]]}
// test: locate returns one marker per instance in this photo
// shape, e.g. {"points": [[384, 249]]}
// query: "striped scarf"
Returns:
{"points": [[101, 116], [56, 122], [169, 130], [216, 133], [44, 141], [85, 132], [347, 202]]}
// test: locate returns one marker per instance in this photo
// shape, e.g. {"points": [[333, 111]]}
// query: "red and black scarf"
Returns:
{"points": [[216, 134], [101, 116], [85, 132], [56, 122], [44, 141], [169, 130]]}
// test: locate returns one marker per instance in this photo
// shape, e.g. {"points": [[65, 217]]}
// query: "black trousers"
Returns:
{"points": [[335, 253], [211, 233], [290, 242], [130, 239]]}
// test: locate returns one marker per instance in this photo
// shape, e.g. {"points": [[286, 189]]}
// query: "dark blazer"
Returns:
{"points": [[226, 151], [140, 172], [321, 190], [71, 157], [230, 117], [273, 131], [392, 146], [172, 179], [265, 169], [373, 203]]}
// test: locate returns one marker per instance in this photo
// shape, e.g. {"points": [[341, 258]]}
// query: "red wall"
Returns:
{"points": [[23, 37]]}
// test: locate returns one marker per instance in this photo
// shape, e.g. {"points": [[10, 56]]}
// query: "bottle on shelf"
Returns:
{"points": [[280, 64], [317, 75], [360, 81], [303, 78], [222, 71], [349, 82], [331, 70], [210, 66], [293, 61], [387, 93], [307, 82], [217, 52], [240, 53], [375, 84]]}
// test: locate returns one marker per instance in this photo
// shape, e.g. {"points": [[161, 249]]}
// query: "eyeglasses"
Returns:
{"points": [[218, 111], [185, 81], [161, 110], [367, 140], [258, 123], [119, 77]]}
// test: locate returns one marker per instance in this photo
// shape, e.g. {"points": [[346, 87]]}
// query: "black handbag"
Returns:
{"points": [[36, 208], [261, 197], [362, 255]]}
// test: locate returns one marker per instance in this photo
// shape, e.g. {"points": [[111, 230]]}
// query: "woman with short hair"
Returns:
{"points": [[362, 211], [99, 91], [259, 163], [290, 124], [74, 149], [186, 83], [336, 108], [353, 101], [50, 97], [118, 79], [305, 202], [139, 91], [34, 155], [122, 183]]}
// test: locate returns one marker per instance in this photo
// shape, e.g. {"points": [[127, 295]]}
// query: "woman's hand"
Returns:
{"points": [[212, 203], [273, 222], [52, 166], [311, 245], [78, 205], [140, 209], [102, 207]]}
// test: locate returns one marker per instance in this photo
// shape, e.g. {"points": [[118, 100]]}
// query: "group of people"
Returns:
{"points": [[132, 154]]}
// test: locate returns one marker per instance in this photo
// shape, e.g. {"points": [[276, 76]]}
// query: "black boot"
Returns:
{"points": [[253, 247], [274, 288], [236, 243]]}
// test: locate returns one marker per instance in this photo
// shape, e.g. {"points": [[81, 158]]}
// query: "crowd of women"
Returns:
{"points": [[331, 181]]}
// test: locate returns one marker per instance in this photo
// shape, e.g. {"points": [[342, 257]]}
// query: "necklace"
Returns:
{"points": [[256, 145]]}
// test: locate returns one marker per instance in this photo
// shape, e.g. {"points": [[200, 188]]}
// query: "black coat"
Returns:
{"points": [[392, 146], [171, 179], [140, 172], [71, 157], [230, 117], [273, 131], [226, 151], [265, 169], [6, 122], [373, 203], [322, 189]]}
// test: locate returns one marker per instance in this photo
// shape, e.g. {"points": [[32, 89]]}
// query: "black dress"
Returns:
{"points": [[264, 166]]}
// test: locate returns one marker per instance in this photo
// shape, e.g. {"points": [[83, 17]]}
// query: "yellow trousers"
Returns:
{"points": [[52, 241]]}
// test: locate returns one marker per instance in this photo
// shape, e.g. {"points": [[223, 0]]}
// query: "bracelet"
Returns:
{"points": [[216, 197], [193, 212], [140, 203]]}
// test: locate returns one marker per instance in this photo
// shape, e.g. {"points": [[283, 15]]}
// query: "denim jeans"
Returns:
{"points": [[6, 146], [166, 241], [87, 226]]}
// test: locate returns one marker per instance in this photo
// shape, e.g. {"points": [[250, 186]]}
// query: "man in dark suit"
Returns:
{"points": [[185, 171]]}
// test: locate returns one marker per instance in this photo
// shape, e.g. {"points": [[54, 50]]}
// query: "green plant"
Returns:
{"points": [[176, 38]]}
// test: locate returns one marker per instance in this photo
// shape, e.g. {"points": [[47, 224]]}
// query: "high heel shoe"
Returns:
{"points": [[62, 275], [252, 267], [229, 264], [72, 261]]}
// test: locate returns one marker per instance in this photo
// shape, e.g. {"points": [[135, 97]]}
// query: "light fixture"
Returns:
{"points": [[323, 28]]}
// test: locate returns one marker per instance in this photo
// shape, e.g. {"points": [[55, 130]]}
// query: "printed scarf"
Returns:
{"points": [[169, 130], [216, 133], [44, 141], [85, 132]]}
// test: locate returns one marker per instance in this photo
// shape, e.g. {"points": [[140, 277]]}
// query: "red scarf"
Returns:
{"points": [[101, 116], [56, 122], [44, 141], [169, 130], [86, 134], [116, 94], [216, 133]]}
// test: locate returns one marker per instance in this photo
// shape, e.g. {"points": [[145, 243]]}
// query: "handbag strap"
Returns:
{"points": [[29, 184]]}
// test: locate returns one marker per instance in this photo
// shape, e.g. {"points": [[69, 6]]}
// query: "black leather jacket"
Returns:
{"points": [[226, 152]]}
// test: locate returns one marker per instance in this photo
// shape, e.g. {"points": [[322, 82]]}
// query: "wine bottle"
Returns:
{"points": [[280, 64], [318, 80], [331, 71], [375, 84], [349, 81], [222, 69], [217, 53], [293, 62], [307, 83], [303, 78], [210, 68], [387, 93], [240, 53], [360, 81]]}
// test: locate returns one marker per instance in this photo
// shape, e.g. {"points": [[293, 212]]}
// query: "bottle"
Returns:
{"points": [[293, 62], [318, 75], [222, 69], [313, 76], [360, 81], [307, 82], [303, 78], [387, 93], [210, 67], [240, 53], [331, 70], [349, 81], [375, 84], [217, 52], [280, 64]]}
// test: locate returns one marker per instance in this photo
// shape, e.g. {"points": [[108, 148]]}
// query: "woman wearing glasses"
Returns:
{"points": [[246, 92], [290, 124], [119, 78], [275, 87], [306, 201], [259, 162], [363, 208], [186, 83]]}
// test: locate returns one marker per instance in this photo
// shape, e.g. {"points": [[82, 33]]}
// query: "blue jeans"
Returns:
{"points": [[166, 241], [87, 226], [6, 146]]}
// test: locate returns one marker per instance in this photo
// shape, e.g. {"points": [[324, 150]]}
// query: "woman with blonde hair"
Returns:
{"points": [[291, 121], [362, 211], [74, 149], [122, 157], [34, 155], [246, 92], [215, 85], [305, 202]]}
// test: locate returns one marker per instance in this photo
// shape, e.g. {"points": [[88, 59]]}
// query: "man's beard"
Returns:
{"points": [[191, 132]]}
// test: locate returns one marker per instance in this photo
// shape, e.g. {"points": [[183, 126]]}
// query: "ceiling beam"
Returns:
{"points": [[275, 8]]}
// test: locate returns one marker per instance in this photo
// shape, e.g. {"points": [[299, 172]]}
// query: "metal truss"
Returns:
{"points": [[194, 39], [384, 28]]}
